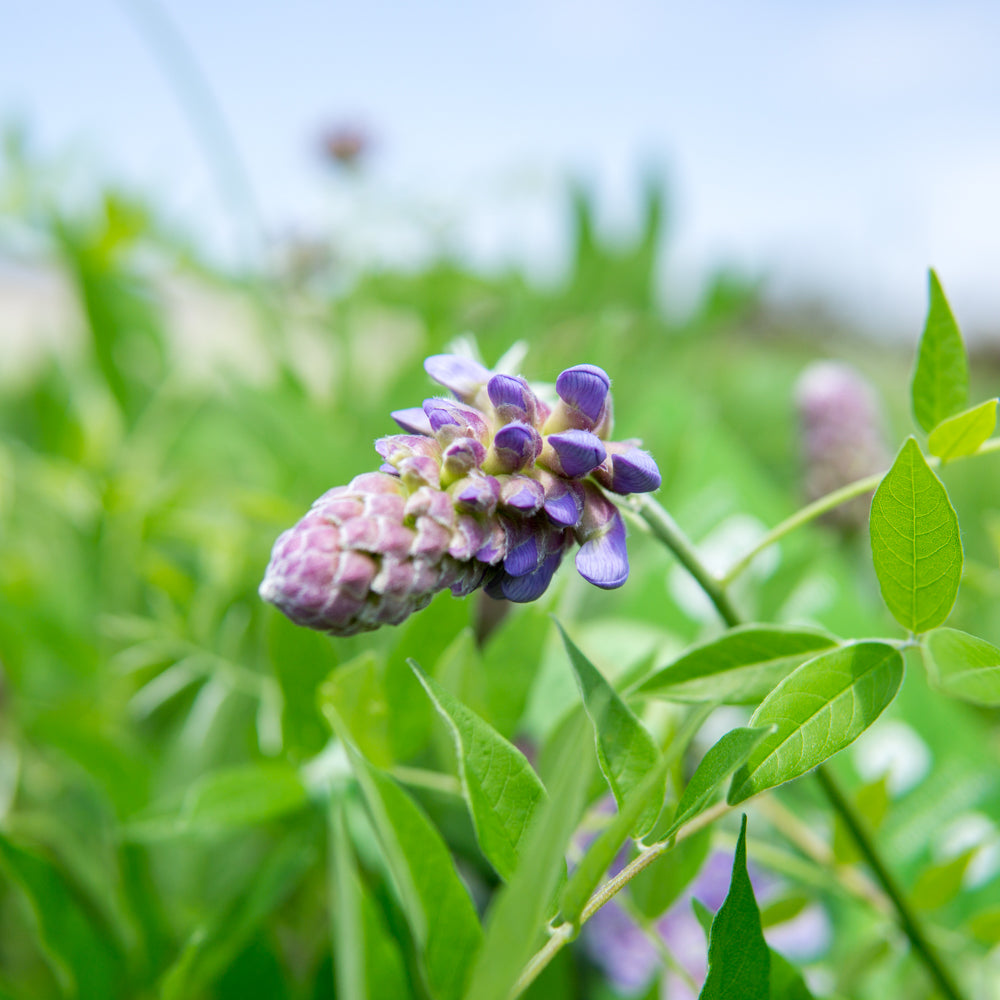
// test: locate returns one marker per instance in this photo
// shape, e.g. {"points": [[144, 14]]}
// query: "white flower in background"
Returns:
{"points": [[893, 748], [972, 830]]}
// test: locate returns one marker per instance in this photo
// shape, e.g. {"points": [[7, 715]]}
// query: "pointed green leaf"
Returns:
{"points": [[818, 709], [941, 379], [941, 882], [962, 665], [985, 926], [501, 788], [703, 915], [916, 545], [518, 914], [438, 909], [738, 668], [625, 750], [608, 843], [739, 963], [729, 753], [963, 433]]}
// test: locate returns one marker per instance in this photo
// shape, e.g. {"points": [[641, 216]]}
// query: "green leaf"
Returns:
{"points": [[703, 915], [738, 668], [437, 906], [786, 981], [355, 694], [985, 926], [739, 962], [729, 753], [226, 800], [78, 947], [655, 888], [916, 545], [963, 433], [367, 961], [625, 750], [871, 801], [962, 665], [818, 709], [606, 846], [940, 883], [518, 914], [510, 665], [501, 788], [941, 380]]}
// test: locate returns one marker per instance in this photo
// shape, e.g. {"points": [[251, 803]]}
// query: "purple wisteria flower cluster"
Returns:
{"points": [[487, 489]]}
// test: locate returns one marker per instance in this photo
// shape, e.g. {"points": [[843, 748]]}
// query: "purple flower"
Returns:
{"points": [[486, 490]]}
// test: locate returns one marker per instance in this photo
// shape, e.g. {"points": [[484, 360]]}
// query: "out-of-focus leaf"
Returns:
{"points": [[871, 801], [703, 915], [501, 788], [229, 799], [720, 761], [818, 709], [355, 692], [739, 668], [510, 665], [214, 944], [786, 907], [437, 905], [916, 545], [963, 433], [738, 957], [655, 888], [301, 659], [941, 379], [625, 750], [985, 926], [940, 883], [71, 934], [962, 665], [368, 963], [517, 916]]}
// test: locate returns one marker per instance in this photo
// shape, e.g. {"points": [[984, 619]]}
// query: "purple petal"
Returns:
{"points": [[634, 471], [531, 586], [523, 556], [564, 508], [584, 387], [413, 420], [579, 452], [462, 375], [603, 560], [481, 493], [516, 445], [463, 455], [512, 397]]}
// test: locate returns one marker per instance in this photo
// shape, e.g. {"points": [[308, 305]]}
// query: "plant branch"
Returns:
{"points": [[667, 530]]}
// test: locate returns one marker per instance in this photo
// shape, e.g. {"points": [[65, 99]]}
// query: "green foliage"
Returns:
{"points": [[625, 750], [817, 710], [964, 433], [962, 665], [739, 963], [739, 667], [940, 384], [916, 545], [501, 788]]}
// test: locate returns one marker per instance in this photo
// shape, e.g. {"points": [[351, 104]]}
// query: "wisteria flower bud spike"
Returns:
{"points": [[488, 490]]}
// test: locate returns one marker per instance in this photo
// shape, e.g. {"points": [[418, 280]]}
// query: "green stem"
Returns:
{"points": [[826, 503], [907, 918], [667, 530]]}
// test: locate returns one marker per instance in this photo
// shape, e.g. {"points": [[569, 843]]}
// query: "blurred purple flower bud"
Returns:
{"points": [[463, 376], [576, 453], [584, 387], [450, 420]]}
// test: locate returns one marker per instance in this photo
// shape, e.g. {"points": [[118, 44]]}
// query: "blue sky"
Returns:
{"points": [[839, 148]]}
